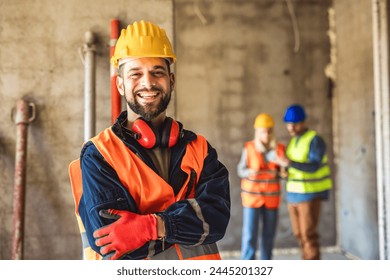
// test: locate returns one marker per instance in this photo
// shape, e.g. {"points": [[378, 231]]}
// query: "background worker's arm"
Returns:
{"points": [[243, 170], [316, 153]]}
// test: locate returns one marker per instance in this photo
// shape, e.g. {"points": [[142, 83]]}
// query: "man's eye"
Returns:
{"points": [[134, 75], [159, 73]]}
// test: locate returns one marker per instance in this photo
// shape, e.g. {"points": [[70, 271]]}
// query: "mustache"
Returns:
{"points": [[151, 89]]}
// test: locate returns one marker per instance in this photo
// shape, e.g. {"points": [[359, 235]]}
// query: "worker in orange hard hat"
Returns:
{"points": [[260, 188], [146, 188]]}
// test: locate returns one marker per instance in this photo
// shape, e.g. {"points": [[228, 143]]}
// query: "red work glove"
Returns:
{"points": [[129, 232]]}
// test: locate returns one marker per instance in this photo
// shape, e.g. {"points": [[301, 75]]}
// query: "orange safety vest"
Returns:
{"points": [[149, 200], [264, 187]]}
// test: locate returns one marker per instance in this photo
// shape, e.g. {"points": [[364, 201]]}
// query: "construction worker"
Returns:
{"points": [[308, 182], [150, 188], [260, 188]]}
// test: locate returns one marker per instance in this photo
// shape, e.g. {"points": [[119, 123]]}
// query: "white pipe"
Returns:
{"points": [[382, 122], [89, 86], [297, 41]]}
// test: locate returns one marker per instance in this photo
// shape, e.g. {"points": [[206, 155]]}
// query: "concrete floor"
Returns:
{"points": [[328, 253]]}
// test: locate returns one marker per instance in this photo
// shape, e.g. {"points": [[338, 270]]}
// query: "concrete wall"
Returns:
{"points": [[39, 54], [237, 59], [354, 117]]}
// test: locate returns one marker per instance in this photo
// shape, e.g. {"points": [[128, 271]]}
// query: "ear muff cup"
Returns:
{"points": [[147, 136], [170, 133], [150, 138]]}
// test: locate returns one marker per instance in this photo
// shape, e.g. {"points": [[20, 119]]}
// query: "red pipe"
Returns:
{"points": [[115, 96], [22, 120]]}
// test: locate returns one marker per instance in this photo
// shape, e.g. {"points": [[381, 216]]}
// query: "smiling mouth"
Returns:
{"points": [[148, 98], [147, 95]]}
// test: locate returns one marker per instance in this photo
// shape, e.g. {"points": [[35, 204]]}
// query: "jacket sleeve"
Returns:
{"points": [[203, 219], [242, 169], [102, 189], [316, 153]]}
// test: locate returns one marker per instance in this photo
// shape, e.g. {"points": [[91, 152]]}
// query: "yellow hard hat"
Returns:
{"points": [[264, 120], [143, 39]]}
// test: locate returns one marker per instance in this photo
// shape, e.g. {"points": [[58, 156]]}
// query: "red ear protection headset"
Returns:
{"points": [[150, 138]]}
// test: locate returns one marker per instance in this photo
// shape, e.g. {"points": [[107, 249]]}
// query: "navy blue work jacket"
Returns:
{"points": [[102, 189]]}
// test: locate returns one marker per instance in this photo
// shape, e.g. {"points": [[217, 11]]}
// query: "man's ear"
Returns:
{"points": [[119, 85], [172, 80]]}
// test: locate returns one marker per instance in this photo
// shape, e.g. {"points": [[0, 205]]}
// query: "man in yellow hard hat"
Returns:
{"points": [[149, 188], [260, 188]]}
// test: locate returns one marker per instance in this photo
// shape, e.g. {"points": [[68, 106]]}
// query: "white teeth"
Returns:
{"points": [[148, 95]]}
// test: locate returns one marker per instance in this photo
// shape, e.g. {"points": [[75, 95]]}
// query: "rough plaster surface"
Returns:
{"points": [[356, 177]]}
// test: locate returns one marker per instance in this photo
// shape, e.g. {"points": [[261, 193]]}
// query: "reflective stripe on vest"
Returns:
{"points": [[264, 187], [148, 200], [185, 252], [306, 182]]}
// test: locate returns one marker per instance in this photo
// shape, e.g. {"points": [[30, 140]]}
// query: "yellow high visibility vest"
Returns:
{"points": [[306, 182]]}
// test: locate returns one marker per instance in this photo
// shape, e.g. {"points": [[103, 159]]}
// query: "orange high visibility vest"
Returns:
{"points": [[138, 178], [264, 187]]}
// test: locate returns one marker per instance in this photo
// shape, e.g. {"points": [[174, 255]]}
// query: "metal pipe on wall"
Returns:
{"points": [[382, 121], [115, 96], [22, 119], [89, 51]]}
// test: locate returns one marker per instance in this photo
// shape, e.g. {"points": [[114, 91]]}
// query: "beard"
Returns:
{"points": [[149, 111]]}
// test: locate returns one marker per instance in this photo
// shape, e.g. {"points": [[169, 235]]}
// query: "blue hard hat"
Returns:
{"points": [[294, 114]]}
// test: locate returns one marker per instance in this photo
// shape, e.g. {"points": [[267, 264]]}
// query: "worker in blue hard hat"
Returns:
{"points": [[308, 180]]}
